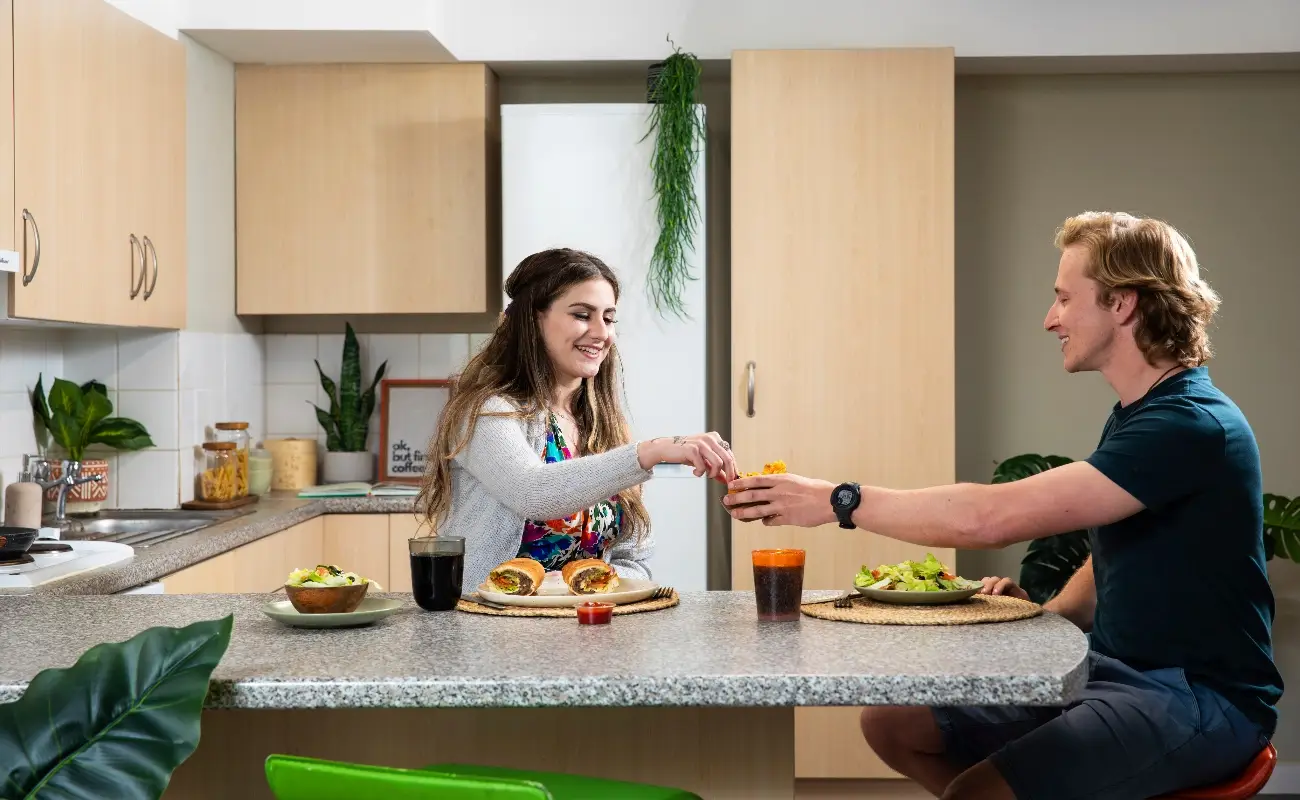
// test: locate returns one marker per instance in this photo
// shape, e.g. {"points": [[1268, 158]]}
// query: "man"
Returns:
{"points": [[1182, 686]]}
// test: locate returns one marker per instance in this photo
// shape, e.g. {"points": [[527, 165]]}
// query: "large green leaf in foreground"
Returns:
{"points": [[116, 723]]}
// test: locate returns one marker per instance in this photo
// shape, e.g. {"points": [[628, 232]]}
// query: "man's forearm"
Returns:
{"points": [[1077, 602], [940, 516]]}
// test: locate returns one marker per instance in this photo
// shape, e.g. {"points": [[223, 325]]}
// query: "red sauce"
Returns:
{"points": [[595, 613]]}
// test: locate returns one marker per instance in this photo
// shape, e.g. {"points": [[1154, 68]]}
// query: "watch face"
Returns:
{"points": [[844, 497]]}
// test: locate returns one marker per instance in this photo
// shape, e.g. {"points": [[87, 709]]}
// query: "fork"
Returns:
{"points": [[661, 593], [846, 601]]}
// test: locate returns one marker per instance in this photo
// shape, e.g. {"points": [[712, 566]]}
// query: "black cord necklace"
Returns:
{"points": [[1162, 377]]}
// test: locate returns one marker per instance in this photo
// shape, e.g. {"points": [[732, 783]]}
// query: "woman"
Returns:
{"points": [[533, 456]]}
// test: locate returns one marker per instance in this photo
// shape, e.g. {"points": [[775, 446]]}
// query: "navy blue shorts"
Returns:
{"points": [[1131, 734]]}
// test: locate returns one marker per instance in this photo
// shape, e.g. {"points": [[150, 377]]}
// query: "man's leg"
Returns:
{"points": [[909, 741], [944, 749]]}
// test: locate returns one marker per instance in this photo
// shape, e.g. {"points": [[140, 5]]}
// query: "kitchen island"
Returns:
{"points": [[699, 696]]}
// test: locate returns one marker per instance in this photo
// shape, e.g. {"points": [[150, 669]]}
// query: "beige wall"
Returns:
{"points": [[1218, 156]]}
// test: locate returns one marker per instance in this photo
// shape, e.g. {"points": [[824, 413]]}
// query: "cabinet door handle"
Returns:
{"points": [[136, 283], [749, 390], [153, 253], [36, 246]]}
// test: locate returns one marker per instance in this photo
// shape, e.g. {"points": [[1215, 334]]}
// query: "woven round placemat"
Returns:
{"points": [[978, 609], [523, 611]]}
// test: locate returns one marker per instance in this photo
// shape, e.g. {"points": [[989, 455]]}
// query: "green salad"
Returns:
{"points": [[929, 575], [324, 575]]}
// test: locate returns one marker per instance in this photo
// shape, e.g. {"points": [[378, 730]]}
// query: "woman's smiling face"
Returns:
{"points": [[578, 329]]}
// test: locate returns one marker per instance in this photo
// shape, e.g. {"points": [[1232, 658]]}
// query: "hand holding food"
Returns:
{"points": [[519, 576], [706, 452], [912, 576], [590, 576], [770, 468]]}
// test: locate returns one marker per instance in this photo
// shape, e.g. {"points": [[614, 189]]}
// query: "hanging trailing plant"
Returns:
{"points": [[679, 132]]}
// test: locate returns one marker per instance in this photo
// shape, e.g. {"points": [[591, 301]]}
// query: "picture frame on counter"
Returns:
{"points": [[409, 409]]}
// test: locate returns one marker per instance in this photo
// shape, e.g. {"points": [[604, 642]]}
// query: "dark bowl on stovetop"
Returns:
{"points": [[15, 541]]}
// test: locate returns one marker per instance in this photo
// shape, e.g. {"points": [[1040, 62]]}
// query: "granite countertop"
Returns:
{"points": [[272, 513], [708, 651]]}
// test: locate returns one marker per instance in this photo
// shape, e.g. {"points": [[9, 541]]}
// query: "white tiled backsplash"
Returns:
{"points": [[292, 383], [156, 378], [177, 384]]}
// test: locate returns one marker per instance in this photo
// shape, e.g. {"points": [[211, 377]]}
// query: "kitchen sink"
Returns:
{"points": [[141, 528]]}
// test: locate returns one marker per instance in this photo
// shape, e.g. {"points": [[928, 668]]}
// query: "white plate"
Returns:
{"points": [[920, 598], [554, 593], [371, 609]]}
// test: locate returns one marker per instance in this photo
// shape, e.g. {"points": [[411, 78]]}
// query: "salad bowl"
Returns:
{"points": [[914, 583], [325, 590]]}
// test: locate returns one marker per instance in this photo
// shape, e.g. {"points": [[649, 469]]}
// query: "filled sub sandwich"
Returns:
{"points": [[521, 576], [590, 576]]}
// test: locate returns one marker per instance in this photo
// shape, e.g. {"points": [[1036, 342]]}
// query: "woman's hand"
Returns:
{"points": [[706, 452]]}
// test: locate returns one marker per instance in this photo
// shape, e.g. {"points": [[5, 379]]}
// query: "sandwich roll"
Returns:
{"points": [[521, 576], [590, 576]]}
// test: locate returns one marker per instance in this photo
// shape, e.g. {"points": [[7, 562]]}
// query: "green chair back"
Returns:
{"points": [[299, 778], [563, 786]]}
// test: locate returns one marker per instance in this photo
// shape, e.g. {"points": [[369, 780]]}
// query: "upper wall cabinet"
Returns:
{"points": [[367, 189], [97, 165]]}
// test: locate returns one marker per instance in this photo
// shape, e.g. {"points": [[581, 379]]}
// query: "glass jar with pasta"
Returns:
{"points": [[216, 476], [236, 432]]}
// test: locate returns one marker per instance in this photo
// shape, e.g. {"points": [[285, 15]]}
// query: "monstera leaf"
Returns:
{"points": [[1282, 527], [1051, 560], [116, 723]]}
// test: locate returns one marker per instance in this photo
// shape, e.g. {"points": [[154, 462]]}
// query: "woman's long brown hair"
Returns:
{"points": [[514, 364]]}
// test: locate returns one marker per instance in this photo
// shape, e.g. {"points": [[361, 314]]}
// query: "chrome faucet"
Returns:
{"points": [[37, 470]]}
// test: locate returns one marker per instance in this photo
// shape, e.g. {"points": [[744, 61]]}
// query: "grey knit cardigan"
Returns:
{"points": [[499, 479]]}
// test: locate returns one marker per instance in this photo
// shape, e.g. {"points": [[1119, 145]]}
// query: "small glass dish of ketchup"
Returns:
{"points": [[592, 613]]}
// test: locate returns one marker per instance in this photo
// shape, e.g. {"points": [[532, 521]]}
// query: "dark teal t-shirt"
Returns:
{"points": [[1182, 583]]}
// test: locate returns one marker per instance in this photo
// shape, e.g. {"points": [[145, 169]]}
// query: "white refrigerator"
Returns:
{"points": [[578, 175]]}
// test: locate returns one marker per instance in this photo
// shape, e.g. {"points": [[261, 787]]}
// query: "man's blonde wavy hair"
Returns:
{"points": [[1174, 306]]}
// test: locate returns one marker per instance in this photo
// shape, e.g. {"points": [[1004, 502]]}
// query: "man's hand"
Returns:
{"points": [[784, 500], [1003, 586]]}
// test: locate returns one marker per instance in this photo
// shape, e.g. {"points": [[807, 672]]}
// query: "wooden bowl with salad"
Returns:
{"points": [[325, 590]]}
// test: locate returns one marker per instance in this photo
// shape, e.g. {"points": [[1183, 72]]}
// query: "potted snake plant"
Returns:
{"points": [[347, 422]]}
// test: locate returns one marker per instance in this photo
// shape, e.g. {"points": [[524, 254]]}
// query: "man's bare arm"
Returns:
{"points": [[1078, 600]]}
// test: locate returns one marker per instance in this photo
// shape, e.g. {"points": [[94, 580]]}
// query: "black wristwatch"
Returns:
{"points": [[845, 499]]}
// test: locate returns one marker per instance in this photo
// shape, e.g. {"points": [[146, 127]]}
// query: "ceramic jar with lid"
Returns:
{"points": [[236, 432]]}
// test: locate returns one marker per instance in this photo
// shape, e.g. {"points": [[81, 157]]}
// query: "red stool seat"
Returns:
{"points": [[1247, 784]]}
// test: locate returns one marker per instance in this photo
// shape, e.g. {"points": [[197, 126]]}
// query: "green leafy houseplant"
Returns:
{"points": [[76, 417], [1051, 560], [679, 131], [347, 423], [115, 724]]}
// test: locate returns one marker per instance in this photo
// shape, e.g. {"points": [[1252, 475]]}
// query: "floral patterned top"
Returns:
{"points": [[585, 534]]}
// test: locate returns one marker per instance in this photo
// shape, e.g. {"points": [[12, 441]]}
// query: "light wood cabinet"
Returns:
{"points": [[842, 225], [97, 127], [367, 189], [8, 231], [259, 566], [358, 543], [400, 528], [373, 545]]}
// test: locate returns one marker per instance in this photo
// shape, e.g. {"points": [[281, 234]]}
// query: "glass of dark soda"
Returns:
{"points": [[437, 564], [778, 583]]}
